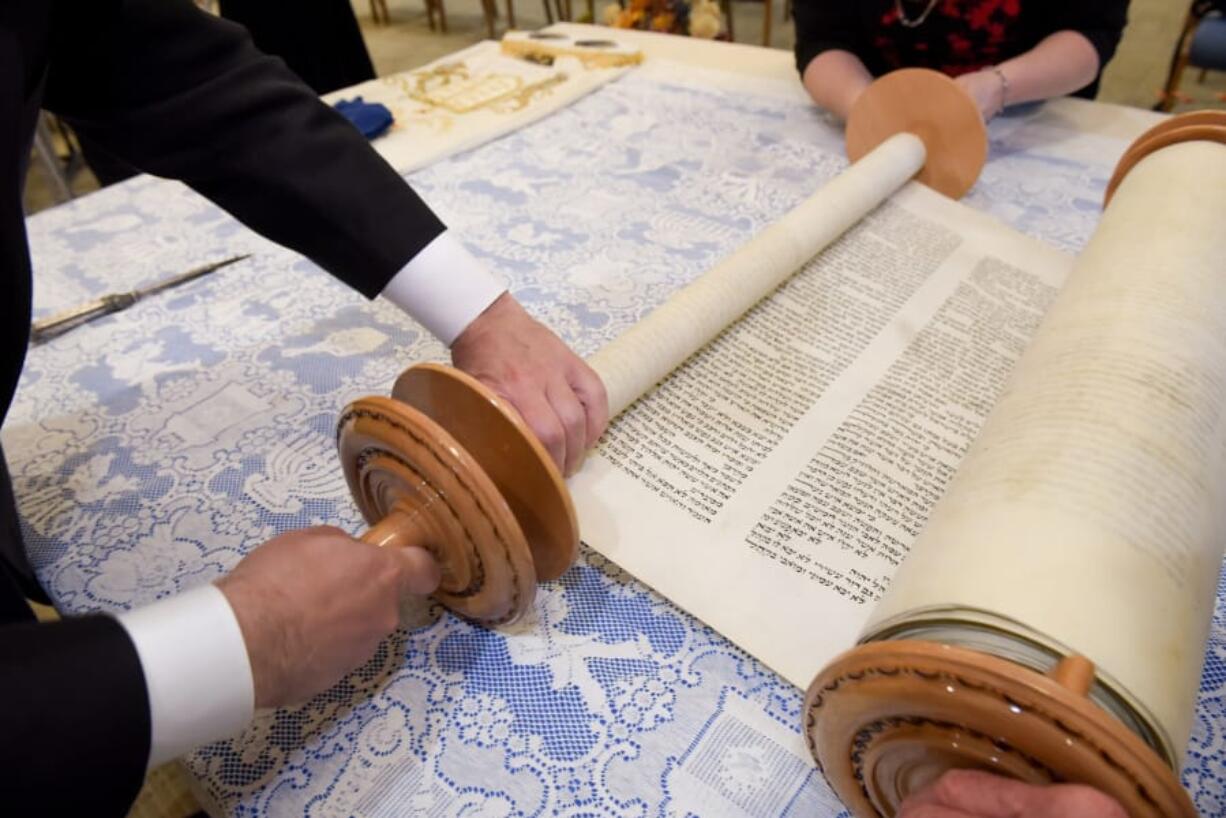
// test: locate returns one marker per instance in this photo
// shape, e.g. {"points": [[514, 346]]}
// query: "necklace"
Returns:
{"points": [[906, 21]]}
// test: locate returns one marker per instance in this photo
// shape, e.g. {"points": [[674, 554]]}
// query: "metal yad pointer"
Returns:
{"points": [[47, 328]]}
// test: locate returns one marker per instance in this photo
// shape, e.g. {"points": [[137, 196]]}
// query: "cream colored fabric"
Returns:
{"points": [[467, 99], [166, 794], [547, 46]]}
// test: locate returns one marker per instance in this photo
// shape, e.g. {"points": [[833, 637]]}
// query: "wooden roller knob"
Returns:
{"points": [[493, 510], [1194, 125], [886, 719], [930, 105]]}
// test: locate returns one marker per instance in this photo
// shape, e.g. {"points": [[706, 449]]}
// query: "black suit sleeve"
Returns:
{"points": [[176, 92], [826, 25], [76, 718]]}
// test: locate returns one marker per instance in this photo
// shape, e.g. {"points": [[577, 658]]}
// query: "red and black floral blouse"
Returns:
{"points": [[955, 36]]}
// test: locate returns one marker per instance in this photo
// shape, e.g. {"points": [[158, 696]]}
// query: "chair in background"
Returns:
{"points": [[1201, 45], [561, 10], [59, 171], [725, 6], [436, 14], [490, 9]]}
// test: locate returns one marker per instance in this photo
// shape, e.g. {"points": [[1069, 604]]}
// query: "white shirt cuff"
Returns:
{"points": [[196, 669], [444, 287]]}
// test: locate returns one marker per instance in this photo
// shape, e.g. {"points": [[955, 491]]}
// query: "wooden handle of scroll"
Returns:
{"points": [[398, 529]]}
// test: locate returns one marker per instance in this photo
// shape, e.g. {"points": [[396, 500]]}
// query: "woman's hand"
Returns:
{"points": [[974, 794], [987, 89]]}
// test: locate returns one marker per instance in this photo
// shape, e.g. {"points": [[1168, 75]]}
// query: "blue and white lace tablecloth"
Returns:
{"points": [[151, 450]]}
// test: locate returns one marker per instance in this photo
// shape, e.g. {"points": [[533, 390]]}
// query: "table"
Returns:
{"points": [[151, 450]]}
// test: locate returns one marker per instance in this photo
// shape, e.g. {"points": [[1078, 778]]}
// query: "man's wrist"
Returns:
{"points": [[196, 670], [444, 287]]}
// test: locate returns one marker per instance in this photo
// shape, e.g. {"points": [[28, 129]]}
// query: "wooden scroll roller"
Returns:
{"points": [[1048, 624], [447, 465]]}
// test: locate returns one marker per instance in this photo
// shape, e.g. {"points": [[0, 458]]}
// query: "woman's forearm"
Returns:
{"points": [[835, 79], [1060, 64]]}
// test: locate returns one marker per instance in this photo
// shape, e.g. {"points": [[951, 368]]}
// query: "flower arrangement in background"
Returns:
{"points": [[697, 18]]}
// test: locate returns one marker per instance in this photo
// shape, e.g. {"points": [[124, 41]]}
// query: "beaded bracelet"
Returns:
{"points": [[1004, 89]]}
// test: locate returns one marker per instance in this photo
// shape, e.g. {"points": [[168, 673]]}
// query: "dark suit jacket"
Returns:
{"points": [[318, 39], [178, 93]]}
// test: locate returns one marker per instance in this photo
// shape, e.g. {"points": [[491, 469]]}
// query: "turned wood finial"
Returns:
{"points": [[1075, 674], [936, 109], [887, 718], [1194, 125]]}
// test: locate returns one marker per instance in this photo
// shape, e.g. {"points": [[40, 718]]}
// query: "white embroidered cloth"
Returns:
{"points": [[468, 98], [152, 449]]}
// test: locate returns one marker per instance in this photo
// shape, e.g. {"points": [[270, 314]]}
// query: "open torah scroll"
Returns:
{"points": [[787, 423], [776, 484], [773, 483]]}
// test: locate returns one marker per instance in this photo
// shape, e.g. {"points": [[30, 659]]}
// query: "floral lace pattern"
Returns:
{"points": [[152, 449]]}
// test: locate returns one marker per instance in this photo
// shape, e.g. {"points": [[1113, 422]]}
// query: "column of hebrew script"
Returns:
{"points": [[696, 438], [911, 322], [848, 520]]}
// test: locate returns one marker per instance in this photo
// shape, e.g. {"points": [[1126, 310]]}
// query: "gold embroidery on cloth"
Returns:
{"points": [[454, 88]]}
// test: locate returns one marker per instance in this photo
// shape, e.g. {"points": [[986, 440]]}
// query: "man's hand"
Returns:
{"points": [[559, 396], [974, 794], [314, 604]]}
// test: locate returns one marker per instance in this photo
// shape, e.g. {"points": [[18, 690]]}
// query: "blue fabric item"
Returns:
{"points": [[371, 118], [1209, 45]]}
